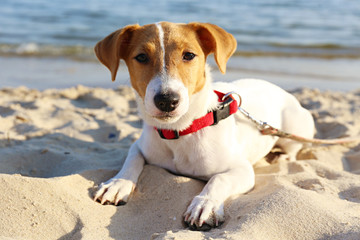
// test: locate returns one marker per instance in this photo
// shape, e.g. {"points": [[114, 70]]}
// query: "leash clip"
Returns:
{"points": [[263, 127]]}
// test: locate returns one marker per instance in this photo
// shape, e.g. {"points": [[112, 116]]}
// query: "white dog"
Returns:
{"points": [[188, 128]]}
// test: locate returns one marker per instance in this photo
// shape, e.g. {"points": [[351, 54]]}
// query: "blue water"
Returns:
{"points": [[310, 27]]}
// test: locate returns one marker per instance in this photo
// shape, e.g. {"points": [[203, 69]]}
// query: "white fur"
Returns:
{"points": [[222, 154], [161, 40]]}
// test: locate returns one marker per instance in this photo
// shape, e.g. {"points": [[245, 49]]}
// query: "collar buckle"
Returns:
{"points": [[223, 110]]}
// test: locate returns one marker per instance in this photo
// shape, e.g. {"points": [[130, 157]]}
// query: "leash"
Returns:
{"points": [[267, 129]]}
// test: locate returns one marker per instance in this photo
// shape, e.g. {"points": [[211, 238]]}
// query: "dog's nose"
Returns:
{"points": [[167, 102]]}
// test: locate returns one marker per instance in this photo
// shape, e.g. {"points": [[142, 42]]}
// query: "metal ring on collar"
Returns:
{"points": [[231, 93]]}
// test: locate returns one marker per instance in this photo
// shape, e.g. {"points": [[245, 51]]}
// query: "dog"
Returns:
{"points": [[174, 92]]}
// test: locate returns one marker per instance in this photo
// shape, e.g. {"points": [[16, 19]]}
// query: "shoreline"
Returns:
{"points": [[86, 52], [289, 73]]}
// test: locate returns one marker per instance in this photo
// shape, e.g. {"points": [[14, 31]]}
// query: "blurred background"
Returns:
{"points": [[293, 43]]}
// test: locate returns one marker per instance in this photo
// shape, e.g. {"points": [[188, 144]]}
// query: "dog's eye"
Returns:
{"points": [[188, 56], [142, 58]]}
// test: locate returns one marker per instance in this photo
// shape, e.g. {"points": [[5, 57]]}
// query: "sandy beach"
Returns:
{"points": [[57, 146]]}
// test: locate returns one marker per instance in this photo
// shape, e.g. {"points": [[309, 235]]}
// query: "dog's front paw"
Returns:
{"points": [[114, 191], [204, 213]]}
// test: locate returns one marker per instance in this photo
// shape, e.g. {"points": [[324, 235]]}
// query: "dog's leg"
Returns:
{"points": [[118, 189], [207, 209], [290, 148], [298, 121]]}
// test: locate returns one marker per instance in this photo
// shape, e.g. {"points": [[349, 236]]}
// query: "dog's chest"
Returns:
{"points": [[190, 156]]}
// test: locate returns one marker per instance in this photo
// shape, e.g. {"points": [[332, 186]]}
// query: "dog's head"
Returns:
{"points": [[166, 62]]}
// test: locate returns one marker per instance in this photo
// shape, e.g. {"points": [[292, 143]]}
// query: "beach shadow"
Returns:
{"points": [[136, 123], [88, 101], [352, 194], [352, 160], [56, 154], [106, 134], [75, 234], [6, 111], [349, 234]]}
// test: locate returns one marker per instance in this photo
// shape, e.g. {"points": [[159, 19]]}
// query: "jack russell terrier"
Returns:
{"points": [[189, 128]]}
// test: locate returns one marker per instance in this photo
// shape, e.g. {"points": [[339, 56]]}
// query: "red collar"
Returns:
{"points": [[227, 107]]}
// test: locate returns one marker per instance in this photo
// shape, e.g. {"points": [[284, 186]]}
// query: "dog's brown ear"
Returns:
{"points": [[114, 47], [215, 40]]}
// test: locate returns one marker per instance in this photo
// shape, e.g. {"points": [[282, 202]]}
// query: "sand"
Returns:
{"points": [[57, 146]]}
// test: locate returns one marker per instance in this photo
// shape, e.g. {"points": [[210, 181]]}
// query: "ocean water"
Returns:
{"points": [[315, 28]]}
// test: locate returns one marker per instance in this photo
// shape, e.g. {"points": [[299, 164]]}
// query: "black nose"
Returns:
{"points": [[167, 102]]}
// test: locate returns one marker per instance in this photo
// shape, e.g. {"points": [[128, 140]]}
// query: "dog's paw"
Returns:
{"points": [[114, 191], [204, 213]]}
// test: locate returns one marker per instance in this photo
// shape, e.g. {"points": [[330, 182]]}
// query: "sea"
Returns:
{"points": [[320, 28], [293, 43]]}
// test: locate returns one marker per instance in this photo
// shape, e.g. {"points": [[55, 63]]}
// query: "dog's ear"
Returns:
{"points": [[215, 40], [115, 47]]}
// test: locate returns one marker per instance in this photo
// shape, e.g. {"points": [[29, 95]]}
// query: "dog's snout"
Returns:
{"points": [[167, 102]]}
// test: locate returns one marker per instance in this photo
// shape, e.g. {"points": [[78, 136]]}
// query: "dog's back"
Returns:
{"points": [[270, 103]]}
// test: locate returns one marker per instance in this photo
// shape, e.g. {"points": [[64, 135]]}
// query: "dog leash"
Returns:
{"points": [[267, 129]]}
